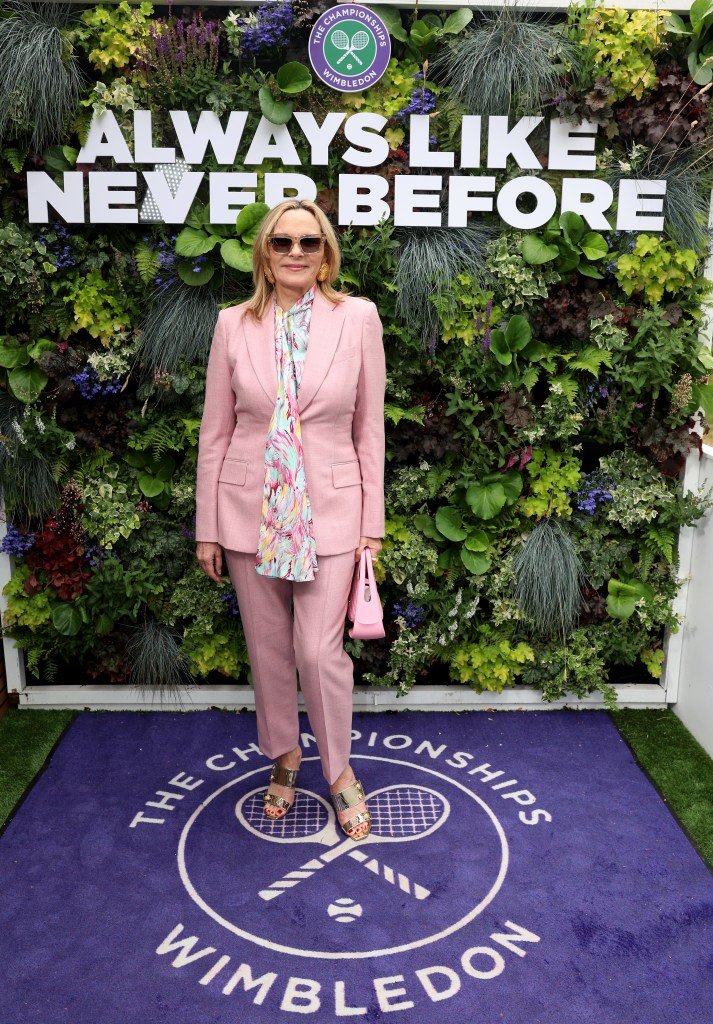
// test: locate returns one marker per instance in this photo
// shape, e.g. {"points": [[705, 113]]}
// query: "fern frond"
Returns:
{"points": [[662, 542], [568, 386], [530, 377], [146, 262], [591, 359], [16, 157]]}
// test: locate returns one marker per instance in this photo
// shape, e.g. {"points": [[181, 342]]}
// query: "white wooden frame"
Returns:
{"points": [[421, 698]]}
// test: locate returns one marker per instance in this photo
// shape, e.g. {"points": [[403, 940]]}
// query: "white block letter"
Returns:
{"points": [[106, 194], [43, 192], [636, 200], [361, 199], [591, 209], [144, 150], [272, 142], [503, 143], [465, 196], [360, 130], [227, 197], [419, 137], [105, 139], [319, 136], [513, 189], [413, 193], [209, 131], [301, 996], [564, 144], [173, 209]]}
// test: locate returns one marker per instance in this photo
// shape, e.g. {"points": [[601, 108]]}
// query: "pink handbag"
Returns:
{"points": [[364, 608]]}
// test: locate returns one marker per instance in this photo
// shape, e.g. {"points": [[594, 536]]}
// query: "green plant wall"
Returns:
{"points": [[542, 386]]}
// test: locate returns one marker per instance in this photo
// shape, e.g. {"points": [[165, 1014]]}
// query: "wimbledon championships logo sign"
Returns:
{"points": [[349, 48]]}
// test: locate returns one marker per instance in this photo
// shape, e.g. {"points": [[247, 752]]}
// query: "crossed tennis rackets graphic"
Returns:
{"points": [[358, 41], [400, 813]]}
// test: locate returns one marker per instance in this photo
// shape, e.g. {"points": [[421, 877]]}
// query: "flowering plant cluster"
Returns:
{"points": [[544, 385]]}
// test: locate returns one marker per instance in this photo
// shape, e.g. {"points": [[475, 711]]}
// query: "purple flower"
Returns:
{"points": [[273, 29], [90, 386], [232, 602], [16, 543], [411, 613], [595, 491]]}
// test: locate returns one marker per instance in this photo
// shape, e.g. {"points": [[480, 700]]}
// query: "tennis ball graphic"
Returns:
{"points": [[345, 910]]}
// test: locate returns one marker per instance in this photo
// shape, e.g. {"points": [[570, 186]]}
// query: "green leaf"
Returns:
{"points": [[293, 77], [13, 355], [486, 500], [535, 350], [391, 17], [55, 159], [535, 251], [586, 271], [623, 597], [700, 13], [150, 485], [594, 246], [703, 74], [475, 563], [499, 348], [449, 523], [198, 217], [458, 20], [70, 154], [675, 24], [250, 218], [422, 37], [573, 226], [104, 624], [26, 382], [477, 540], [703, 395], [517, 333], [188, 273], [45, 345], [195, 242], [425, 523], [67, 619], [272, 109], [512, 483], [237, 255]]}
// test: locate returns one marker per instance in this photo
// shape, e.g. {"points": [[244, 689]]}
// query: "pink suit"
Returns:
{"points": [[341, 402]]}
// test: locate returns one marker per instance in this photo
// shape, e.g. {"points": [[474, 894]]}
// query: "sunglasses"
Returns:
{"points": [[309, 244]]}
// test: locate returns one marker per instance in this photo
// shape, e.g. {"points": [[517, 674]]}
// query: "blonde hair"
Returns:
{"points": [[262, 296]]}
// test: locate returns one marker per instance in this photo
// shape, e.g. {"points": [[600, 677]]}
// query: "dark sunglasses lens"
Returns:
{"points": [[310, 243], [281, 243]]}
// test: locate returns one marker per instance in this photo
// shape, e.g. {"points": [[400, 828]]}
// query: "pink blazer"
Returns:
{"points": [[341, 401]]}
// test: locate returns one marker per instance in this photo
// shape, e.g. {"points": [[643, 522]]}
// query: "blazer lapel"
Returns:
{"points": [[324, 332], [260, 338]]}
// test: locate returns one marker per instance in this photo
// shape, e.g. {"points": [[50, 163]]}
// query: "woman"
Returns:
{"points": [[291, 487]]}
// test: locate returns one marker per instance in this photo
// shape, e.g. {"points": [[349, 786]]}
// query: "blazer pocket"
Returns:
{"points": [[233, 471], [347, 353], [346, 474]]}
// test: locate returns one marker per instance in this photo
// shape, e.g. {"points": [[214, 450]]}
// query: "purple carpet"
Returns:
{"points": [[521, 870]]}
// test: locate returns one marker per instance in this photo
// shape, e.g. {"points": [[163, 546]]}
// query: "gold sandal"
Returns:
{"points": [[281, 777], [350, 797]]}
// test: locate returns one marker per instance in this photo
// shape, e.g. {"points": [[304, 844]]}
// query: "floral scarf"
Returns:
{"points": [[286, 545]]}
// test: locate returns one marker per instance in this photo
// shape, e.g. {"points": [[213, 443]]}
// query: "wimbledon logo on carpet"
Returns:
{"points": [[294, 899]]}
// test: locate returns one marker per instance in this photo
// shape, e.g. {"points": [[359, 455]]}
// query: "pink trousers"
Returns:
{"points": [[310, 643]]}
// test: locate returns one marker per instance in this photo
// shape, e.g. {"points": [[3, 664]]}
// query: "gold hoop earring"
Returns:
{"points": [[323, 272], [269, 275]]}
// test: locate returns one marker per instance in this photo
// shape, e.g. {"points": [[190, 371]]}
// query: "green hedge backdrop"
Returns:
{"points": [[541, 387]]}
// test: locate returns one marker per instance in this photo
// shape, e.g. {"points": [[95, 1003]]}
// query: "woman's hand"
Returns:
{"points": [[210, 557], [374, 545]]}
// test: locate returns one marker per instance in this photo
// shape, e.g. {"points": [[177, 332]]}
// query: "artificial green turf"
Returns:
{"points": [[26, 738], [677, 765]]}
